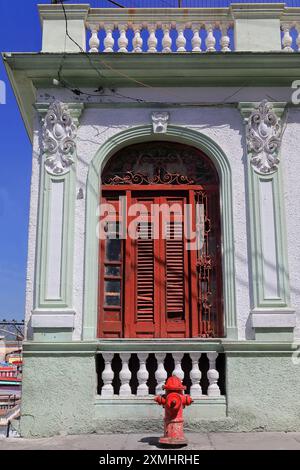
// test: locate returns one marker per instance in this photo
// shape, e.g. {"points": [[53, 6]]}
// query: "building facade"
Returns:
{"points": [[135, 109]]}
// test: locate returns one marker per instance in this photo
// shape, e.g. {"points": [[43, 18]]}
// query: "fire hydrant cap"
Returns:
{"points": [[174, 383]]}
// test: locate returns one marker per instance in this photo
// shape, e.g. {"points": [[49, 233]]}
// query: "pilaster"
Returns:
{"points": [[271, 314], [257, 26], [55, 26], [53, 313]]}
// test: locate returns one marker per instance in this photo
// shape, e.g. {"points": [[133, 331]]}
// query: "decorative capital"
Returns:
{"points": [[160, 120], [59, 131], [263, 134]]}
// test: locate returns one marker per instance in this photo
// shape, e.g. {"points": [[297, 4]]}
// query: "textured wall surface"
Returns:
{"points": [[290, 152], [263, 392], [59, 397], [222, 123]]}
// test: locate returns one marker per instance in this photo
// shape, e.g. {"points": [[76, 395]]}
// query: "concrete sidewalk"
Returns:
{"points": [[197, 441]]}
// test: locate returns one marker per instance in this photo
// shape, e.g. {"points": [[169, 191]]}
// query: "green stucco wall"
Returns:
{"points": [[263, 392], [59, 397]]}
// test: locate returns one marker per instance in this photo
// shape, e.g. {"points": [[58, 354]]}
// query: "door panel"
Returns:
{"points": [[151, 285]]}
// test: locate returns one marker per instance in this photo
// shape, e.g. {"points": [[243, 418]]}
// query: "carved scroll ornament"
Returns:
{"points": [[263, 134], [58, 134]]}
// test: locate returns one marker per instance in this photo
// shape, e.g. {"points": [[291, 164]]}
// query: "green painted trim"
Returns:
{"points": [[52, 334], [253, 179], [27, 71], [135, 400], [93, 347], [144, 134], [159, 345], [65, 301]]}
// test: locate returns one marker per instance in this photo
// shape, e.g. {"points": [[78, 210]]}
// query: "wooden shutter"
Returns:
{"points": [[174, 271], [143, 284], [145, 274]]}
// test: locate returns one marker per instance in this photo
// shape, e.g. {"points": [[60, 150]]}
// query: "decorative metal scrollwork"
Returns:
{"points": [[159, 163], [162, 177]]}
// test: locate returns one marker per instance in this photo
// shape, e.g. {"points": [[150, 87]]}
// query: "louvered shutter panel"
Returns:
{"points": [[145, 274], [174, 271]]}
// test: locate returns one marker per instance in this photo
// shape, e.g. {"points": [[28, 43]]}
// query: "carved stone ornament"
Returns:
{"points": [[263, 133], [58, 134], [160, 122]]}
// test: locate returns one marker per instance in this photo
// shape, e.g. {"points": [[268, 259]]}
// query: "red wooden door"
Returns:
{"points": [[151, 285], [159, 270]]}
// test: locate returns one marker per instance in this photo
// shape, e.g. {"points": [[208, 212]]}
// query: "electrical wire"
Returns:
{"points": [[79, 92]]}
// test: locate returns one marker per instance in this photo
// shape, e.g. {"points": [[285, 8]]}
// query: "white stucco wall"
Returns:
{"points": [[221, 123], [291, 165]]}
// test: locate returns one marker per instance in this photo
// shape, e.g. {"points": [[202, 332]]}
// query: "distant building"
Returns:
{"points": [[164, 221]]}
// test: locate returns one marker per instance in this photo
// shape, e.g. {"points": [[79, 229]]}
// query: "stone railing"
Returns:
{"points": [[160, 30], [290, 26], [255, 27], [142, 374]]}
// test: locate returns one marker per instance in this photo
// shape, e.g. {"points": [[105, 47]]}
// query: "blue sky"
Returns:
{"points": [[20, 31]]}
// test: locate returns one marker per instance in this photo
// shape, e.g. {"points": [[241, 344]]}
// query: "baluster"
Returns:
{"points": [[166, 41], [210, 39], [178, 369], [196, 40], [287, 38], [122, 41], [195, 376], [109, 40], [213, 376], [152, 40], [225, 40], [142, 375], [107, 376], [137, 41], [125, 375], [298, 36], [94, 42], [181, 41], [160, 373]]}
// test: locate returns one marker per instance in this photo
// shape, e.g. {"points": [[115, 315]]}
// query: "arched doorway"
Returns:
{"points": [[156, 279]]}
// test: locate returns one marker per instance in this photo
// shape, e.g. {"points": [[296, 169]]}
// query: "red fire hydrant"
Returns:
{"points": [[173, 401]]}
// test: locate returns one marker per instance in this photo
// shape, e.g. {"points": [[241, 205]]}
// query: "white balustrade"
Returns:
{"points": [[196, 40], [107, 376], [142, 376], [122, 41], [147, 34], [148, 382], [109, 40], [210, 39], [94, 42], [181, 41], [160, 374], [287, 38], [225, 39], [297, 29], [178, 369], [137, 40], [139, 30], [125, 375], [152, 40], [195, 376], [166, 41], [213, 376]]}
